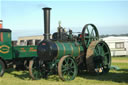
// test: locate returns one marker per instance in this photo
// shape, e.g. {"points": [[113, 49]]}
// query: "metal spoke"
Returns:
{"points": [[92, 31], [99, 49], [64, 73], [65, 69], [70, 76], [106, 53], [96, 52], [102, 45], [102, 51], [88, 31], [72, 72], [92, 34], [88, 42], [67, 61], [71, 64], [63, 66]]}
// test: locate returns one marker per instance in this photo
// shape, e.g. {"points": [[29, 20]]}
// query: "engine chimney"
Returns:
{"points": [[46, 23]]}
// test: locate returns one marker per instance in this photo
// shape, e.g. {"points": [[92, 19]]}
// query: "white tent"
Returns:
{"points": [[118, 45]]}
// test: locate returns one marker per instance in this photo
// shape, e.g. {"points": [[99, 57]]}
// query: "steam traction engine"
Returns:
{"points": [[67, 54]]}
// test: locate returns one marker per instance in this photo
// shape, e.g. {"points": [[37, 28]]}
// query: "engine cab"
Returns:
{"points": [[5, 43]]}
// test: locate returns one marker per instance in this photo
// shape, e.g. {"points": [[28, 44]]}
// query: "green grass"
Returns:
{"points": [[119, 77], [120, 58]]}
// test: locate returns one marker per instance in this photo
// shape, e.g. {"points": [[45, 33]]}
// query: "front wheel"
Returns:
{"points": [[2, 68], [67, 68]]}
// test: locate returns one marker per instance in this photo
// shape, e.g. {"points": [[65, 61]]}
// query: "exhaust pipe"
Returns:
{"points": [[46, 23]]}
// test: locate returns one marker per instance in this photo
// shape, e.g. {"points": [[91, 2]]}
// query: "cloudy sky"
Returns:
{"points": [[25, 17]]}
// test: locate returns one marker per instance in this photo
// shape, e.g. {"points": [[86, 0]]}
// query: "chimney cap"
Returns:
{"points": [[46, 8]]}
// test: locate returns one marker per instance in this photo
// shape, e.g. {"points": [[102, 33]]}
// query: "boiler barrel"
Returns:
{"points": [[68, 48], [49, 50]]}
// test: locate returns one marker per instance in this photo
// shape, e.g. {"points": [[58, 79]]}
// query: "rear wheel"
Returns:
{"points": [[98, 57], [2, 68]]}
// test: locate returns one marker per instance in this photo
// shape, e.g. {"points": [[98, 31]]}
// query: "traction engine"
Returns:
{"points": [[67, 54]]}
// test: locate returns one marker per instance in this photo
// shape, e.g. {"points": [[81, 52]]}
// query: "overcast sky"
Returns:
{"points": [[25, 17]]}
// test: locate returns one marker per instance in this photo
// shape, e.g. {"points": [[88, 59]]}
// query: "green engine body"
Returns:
{"points": [[69, 48]]}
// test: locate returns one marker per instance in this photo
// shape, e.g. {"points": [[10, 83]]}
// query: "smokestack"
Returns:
{"points": [[46, 23], [1, 23]]}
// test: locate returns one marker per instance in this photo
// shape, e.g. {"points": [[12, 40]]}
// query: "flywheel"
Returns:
{"points": [[89, 34]]}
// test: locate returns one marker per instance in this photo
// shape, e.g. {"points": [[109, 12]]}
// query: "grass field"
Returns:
{"points": [[119, 77]]}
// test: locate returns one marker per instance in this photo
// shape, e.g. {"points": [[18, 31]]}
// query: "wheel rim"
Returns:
{"points": [[34, 71], [89, 34], [67, 68], [98, 57]]}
